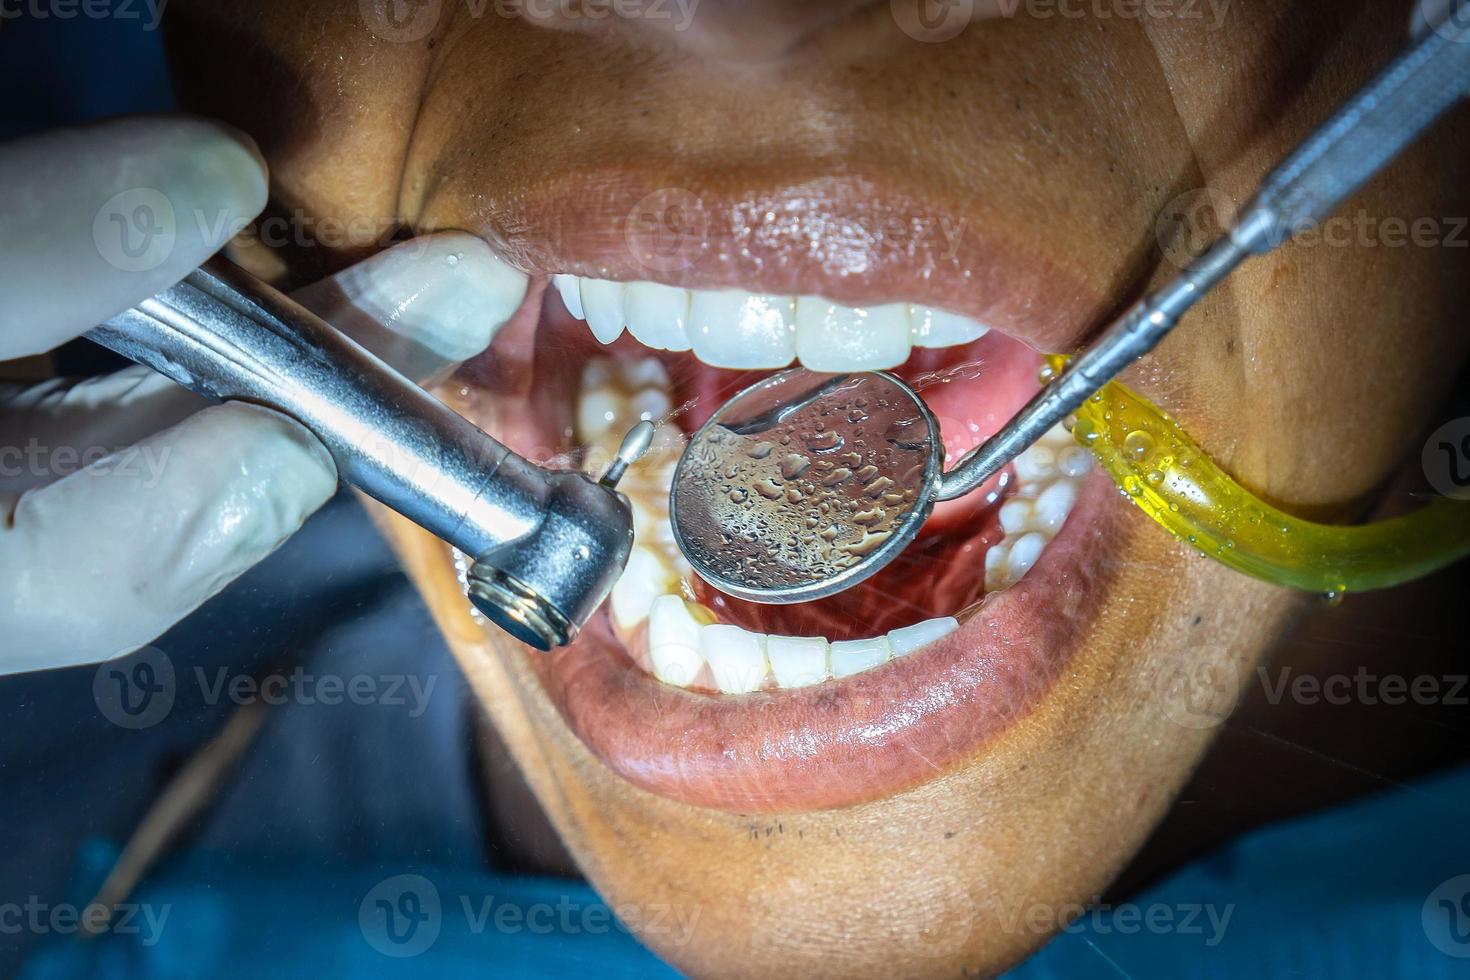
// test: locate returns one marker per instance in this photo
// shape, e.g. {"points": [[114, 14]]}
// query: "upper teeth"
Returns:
{"points": [[686, 646], [732, 328]]}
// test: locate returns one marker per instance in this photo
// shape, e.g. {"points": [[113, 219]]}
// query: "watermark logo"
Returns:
{"points": [[404, 915], [1449, 18], [666, 230], [401, 916], [932, 21], [137, 691], [400, 21], [1192, 222], [136, 230], [1198, 693], [1446, 459], [1446, 917], [945, 922], [140, 690]]}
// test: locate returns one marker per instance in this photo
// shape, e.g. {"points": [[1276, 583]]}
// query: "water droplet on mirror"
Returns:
{"points": [[793, 465]]}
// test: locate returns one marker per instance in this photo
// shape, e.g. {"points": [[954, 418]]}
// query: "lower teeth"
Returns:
{"points": [[686, 646]]}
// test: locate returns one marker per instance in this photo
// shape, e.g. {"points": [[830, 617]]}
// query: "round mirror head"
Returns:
{"points": [[805, 484]]}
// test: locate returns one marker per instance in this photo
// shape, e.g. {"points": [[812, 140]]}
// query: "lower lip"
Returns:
{"points": [[851, 740]]}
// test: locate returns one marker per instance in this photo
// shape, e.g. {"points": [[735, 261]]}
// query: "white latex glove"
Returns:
{"points": [[125, 502]]}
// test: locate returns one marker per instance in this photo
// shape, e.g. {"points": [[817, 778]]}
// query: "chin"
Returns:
{"points": [[902, 773]]}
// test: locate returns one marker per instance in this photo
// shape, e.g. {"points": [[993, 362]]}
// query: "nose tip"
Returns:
{"points": [[749, 31]]}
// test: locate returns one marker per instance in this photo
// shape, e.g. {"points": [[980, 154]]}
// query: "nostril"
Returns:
{"points": [[749, 31]]}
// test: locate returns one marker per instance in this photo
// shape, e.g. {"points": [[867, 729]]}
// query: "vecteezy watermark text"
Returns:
{"points": [[402, 916], [35, 459], [140, 690], [409, 21], [150, 12], [64, 919], [1364, 687], [941, 20], [1204, 919]]}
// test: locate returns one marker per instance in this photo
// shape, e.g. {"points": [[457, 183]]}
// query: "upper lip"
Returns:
{"points": [[844, 238]]}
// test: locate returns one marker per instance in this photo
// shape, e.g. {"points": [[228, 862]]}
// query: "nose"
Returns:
{"points": [[742, 31]]}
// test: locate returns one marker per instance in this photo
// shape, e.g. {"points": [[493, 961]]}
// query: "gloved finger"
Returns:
{"points": [[100, 217], [423, 306], [108, 558], [53, 428]]}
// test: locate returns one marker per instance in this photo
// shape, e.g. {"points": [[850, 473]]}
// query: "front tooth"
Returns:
{"points": [[570, 288], [1074, 461], [642, 372], [1053, 505], [1015, 515], [1024, 553], [832, 337], [598, 410], [602, 300], [997, 560], [673, 640], [797, 661], [658, 315], [937, 328], [644, 579], [855, 656], [910, 638], [731, 328], [651, 403], [1036, 463], [736, 657]]}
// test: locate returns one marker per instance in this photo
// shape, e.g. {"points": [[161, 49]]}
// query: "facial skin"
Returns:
{"points": [[1054, 143]]}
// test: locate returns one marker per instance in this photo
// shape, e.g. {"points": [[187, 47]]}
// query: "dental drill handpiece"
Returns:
{"points": [[547, 545], [1373, 128]]}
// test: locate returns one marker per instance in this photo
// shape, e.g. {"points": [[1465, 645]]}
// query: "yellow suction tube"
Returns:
{"points": [[1160, 469]]}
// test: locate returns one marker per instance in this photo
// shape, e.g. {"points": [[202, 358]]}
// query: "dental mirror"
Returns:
{"points": [[804, 484]]}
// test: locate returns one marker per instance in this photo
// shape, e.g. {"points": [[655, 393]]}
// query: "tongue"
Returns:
{"points": [[972, 394]]}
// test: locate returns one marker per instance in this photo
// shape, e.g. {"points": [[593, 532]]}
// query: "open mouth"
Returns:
{"points": [[714, 701]]}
